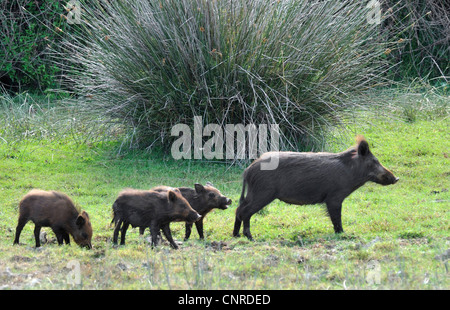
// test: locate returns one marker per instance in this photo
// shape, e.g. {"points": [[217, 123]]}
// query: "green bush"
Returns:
{"points": [[421, 30], [28, 28], [153, 64]]}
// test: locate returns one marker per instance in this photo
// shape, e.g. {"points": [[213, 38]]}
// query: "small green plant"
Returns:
{"points": [[411, 235], [410, 114]]}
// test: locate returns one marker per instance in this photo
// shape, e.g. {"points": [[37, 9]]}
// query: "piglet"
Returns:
{"points": [[202, 199], [146, 208], [55, 210]]}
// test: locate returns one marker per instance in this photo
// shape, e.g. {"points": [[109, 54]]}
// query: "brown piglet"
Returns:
{"points": [[146, 208], [55, 210], [202, 199]]}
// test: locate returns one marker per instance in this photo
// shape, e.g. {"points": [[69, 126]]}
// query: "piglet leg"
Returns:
{"points": [[168, 234]]}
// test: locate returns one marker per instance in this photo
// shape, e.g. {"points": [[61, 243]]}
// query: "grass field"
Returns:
{"points": [[396, 237]]}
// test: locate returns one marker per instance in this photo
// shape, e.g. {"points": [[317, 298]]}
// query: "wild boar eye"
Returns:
{"points": [[211, 195], [84, 235]]}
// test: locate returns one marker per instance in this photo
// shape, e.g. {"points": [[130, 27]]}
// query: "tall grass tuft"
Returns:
{"points": [[25, 117], [153, 64]]}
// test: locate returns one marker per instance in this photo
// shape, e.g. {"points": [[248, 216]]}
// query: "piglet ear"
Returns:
{"points": [[199, 188], [172, 196], [363, 146], [85, 214], [80, 221]]}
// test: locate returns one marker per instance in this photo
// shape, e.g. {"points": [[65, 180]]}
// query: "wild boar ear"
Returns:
{"points": [[80, 221], [363, 147], [199, 188], [172, 196], [209, 184]]}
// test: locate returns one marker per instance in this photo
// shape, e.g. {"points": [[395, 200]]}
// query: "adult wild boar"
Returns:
{"points": [[55, 210], [202, 199], [309, 178], [146, 208]]}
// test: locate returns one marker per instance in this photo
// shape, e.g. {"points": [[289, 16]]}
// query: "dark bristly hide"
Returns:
{"points": [[202, 199], [55, 210], [309, 178], [146, 208]]}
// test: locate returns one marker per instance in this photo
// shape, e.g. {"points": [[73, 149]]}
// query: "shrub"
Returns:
{"points": [[153, 64], [421, 29], [27, 29]]}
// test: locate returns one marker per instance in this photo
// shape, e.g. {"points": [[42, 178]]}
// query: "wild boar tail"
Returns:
{"points": [[115, 218], [242, 199]]}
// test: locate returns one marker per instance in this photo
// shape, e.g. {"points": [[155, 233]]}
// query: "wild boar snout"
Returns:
{"points": [[87, 245], [83, 234], [390, 179], [224, 202], [386, 178], [193, 217]]}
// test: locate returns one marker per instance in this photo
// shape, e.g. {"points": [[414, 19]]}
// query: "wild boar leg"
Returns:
{"points": [[237, 227], [154, 231], [61, 235], [59, 232], [116, 231], [188, 231], [124, 232], [199, 226], [246, 230], [66, 237], [334, 211], [142, 230], [20, 225], [37, 231], [168, 234], [246, 210]]}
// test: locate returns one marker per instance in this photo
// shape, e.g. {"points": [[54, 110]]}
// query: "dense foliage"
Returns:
{"points": [[421, 29], [28, 29], [152, 64]]}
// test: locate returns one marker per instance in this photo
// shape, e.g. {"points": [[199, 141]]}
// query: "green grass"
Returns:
{"points": [[403, 229]]}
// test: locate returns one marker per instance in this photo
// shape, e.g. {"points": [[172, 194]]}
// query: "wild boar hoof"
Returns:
{"points": [[249, 236]]}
